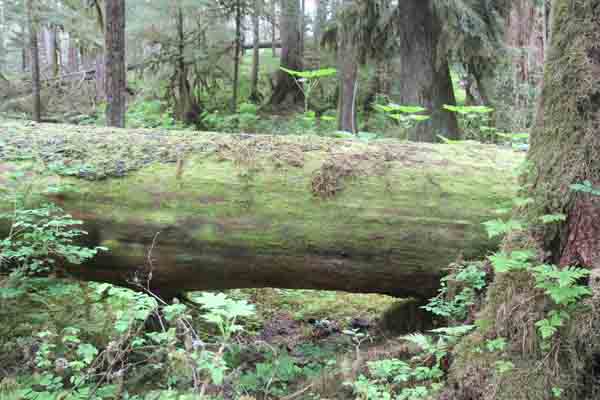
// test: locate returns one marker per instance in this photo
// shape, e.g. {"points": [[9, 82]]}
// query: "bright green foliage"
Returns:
{"points": [[474, 121], [472, 280], [561, 284], [499, 227], [503, 366], [552, 218], [150, 114], [547, 327], [585, 187], [493, 345], [41, 240], [308, 81], [514, 261], [406, 115], [224, 312]]}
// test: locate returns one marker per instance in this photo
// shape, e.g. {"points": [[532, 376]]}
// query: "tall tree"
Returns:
{"points": [[565, 151], [424, 74], [274, 27], [348, 60], [237, 53], [286, 90], [257, 10], [116, 70], [320, 21], [3, 57], [35, 61]]}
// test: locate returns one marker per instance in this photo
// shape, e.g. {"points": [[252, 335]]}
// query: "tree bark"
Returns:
{"points": [[302, 27], [319, 23], [424, 76], [3, 56], [262, 211], [565, 150], [286, 90], [565, 146], [35, 62], [254, 93], [348, 59], [115, 67], [274, 27], [236, 56]]}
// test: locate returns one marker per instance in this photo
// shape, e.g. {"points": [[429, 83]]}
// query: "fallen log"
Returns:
{"points": [[237, 211]]}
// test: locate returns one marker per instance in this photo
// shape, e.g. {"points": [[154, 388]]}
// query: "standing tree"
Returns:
{"points": [[3, 57], [274, 27], [319, 23], [286, 90], [35, 61], [237, 53], [116, 70], [257, 10], [565, 152], [424, 75], [348, 60]]}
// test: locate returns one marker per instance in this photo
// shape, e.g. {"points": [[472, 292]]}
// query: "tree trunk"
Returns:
{"points": [[236, 56], [3, 56], [565, 150], [254, 93], [286, 90], [35, 62], [302, 28], [348, 59], [73, 55], [274, 27], [51, 50], [116, 71], [262, 211], [565, 146], [424, 76], [319, 23]]}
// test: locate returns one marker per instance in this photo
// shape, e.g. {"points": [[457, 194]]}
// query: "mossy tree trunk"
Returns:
{"points": [[424, 76], [35, 61], [565, 150], [348, 60], [261, 211], [565, 146], [114, 59], [286, 90]]}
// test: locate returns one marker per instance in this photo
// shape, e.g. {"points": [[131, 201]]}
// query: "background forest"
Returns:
{"points": [[299, 199]]}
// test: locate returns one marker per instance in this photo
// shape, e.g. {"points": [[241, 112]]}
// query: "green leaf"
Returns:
{"points": [[517, 260], [88, 352]]}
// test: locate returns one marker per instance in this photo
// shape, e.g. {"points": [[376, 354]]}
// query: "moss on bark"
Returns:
{"points": [[244, 211]]}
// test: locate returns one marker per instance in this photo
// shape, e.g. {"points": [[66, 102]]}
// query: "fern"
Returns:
{"points": [[517, 260]]}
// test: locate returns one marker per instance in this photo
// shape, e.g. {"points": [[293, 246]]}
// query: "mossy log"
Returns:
{"points": [[236, 211]]}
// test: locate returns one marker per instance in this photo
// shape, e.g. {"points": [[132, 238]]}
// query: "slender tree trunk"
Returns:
{"points": [[236, 58], [319, 23], [3, 57], [424, 76], [116, 70], [348, 59], [35, 62], [51, 49], [254, 93], [72, 57], [302, 26], [286, 90], [274, 26]]}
